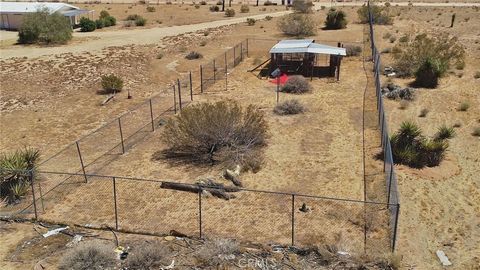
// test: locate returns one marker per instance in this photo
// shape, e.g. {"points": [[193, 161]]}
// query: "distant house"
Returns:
{"points": [[11, 13]]}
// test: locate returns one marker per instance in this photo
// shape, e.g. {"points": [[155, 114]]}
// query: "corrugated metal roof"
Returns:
{"points": [[306, 46], [23, 7]]}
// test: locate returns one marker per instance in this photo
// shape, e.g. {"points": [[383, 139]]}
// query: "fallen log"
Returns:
{"points": [[216, 191], [110, 97], [232, 176]]}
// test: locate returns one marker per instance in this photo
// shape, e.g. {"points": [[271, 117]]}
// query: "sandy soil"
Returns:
{"points": [[440, 206]]}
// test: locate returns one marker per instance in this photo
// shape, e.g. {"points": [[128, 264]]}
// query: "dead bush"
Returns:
{"points": [[149, 256], [292, 106], [296, 84], [299, 25], [302, 6], [220, 132], [111, 84], [353, 50], [215, 252], [193, 55], [89, 255]]}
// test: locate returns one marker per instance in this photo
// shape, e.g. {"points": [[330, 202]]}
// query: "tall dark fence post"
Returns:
{"points": [[179, 94], [115, 202], [121, 135], [81, 161], [247, 47], [41, 197], [31, 178], [174, 99], [214, 71], [200, 213], [151, 114], [390, 182], [394, 240], [226, 63], [293, 219], [201, 79], [191, 86]]}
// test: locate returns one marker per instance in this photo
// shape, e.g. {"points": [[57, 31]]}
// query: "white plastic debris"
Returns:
{"points": [[54, 232], [443, 258], [344, 253], [171, 266]]}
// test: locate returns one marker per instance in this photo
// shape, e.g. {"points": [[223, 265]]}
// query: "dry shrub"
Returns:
{"points": [[193, 55], [299, 25], [244, 9], [353, 50], [89, 255], [380, 15], [111, 84], [296, 84], [476, 132], [302, 6], [336, 19], [292, 106], [149, 256], [423, 112], [220, 132], [215, 252], [230, 12]]}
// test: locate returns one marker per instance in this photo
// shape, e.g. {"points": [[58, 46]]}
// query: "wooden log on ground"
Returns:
{"points": [[232, 176], [217, 192], [110, 97]]}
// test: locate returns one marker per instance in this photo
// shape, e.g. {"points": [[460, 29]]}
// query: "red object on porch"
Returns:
{"points": [[282, 80]]}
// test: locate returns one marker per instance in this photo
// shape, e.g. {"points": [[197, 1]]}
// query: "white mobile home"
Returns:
{"points": [[11, 13]]}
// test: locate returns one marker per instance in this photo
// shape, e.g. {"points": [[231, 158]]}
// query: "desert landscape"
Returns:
{"points": [[51, 97]]}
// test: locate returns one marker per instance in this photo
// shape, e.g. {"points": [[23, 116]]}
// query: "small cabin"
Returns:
{"points": [[302, 57]]}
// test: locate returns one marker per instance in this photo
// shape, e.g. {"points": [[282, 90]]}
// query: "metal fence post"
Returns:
{"points": [[226, 63], [174, 99], [293, 219], [214, 71], [394, 240], [191, 87], [179, 94], [115, 202], [31, 178], [200, 213], [390, 182], [121, 135], [151, 114], [201, 79], [81, 161]]}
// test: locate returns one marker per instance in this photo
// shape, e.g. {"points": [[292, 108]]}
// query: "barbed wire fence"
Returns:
{"points": [[67, 190]]}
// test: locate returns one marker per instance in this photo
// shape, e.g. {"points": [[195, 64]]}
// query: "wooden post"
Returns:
{"points": [[121, 135], [81, 161], [201, 79], [151, 114], [191, 87], [179, 94]]}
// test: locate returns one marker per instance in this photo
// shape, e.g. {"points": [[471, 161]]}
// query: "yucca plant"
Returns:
{"points": [[433, 152], [18, 190], [444, 133]]}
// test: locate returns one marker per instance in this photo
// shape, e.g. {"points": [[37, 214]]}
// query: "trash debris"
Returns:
{"points": [[54, 232], [389, 72], [76, 239], [121, 252], [169, 238], [443, 258], [170, 266], [393, 91], [343, 253]]}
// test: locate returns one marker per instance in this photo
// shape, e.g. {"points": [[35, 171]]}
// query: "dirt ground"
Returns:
{"points": [[57, 103], [440, 206]]}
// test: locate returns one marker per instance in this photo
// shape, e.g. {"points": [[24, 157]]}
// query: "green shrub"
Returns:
{"points": [[428, 73], [476, 132], [104, 14], [251, 21], [244, 9], [149, 256], [292, 106], [411, 148], [43, 27], [464, 106], [302, 6], [379, 14], [87, 25], [444, 133], [110, 21], [441, 49], [299, 25], [220, 132], [230, 12], [296, 84], [193, 55], [100, 23], [353, 50], [14, 176], [140, 21], [89, 255], [214, 9], [423, 113], [335, 19], [150, 9], [133, 17], [111, 84]]}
